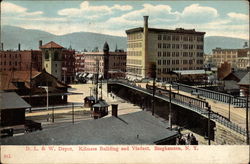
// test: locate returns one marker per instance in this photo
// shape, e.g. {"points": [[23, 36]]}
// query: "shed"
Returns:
{"points": [[100, 109], [89, 101], [12, 109]]}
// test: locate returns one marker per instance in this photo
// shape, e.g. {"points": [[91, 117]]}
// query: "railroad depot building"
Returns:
{"points": [[169, 50], [26, 84]]}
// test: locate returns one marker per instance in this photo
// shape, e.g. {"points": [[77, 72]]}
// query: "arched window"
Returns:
{"points": [[46, 55]]}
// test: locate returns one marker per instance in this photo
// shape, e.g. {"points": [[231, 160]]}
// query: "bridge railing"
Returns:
{"points": [[191, 103], [222, 97]]}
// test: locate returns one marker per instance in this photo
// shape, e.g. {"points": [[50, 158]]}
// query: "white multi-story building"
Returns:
{"points": [[169, 50]]}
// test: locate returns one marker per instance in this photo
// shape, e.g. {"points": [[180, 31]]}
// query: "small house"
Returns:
{"points": [[100, 109], [89, 101]]}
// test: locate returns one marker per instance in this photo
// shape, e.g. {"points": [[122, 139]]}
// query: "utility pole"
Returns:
{"points": [[208, 124], [153, 76], [30, 81], [229, 108], [97, 74], [53, 116], [101, 89], [247, 113], [73, 113], [170, 107]]}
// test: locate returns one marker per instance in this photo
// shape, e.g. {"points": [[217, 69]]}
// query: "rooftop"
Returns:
{"points": [[245, 80], [7, 77], [134, 128], [177, 30], [239, 74], [10, 100], [51, 45], [191, 72]]}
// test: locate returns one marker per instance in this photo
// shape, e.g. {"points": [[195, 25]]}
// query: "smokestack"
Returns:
{"points": [[114, 109], [2, 46], [40, 43], [19, 47], [145, 21], [245, 45]]}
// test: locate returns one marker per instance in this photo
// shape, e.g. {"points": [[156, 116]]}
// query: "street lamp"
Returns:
{"points": [[47, 91]]}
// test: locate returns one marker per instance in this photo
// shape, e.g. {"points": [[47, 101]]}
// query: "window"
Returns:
{"points": [[164, 37], [159, 54], [173, 54], [56, 55], [159, 37], [159, 45], [47, 55], [10, 63]]}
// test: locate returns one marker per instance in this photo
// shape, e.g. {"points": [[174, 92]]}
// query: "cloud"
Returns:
{"points": [[238, 16], [154, 11], [12, 9], [198, 14], [91, 12]]}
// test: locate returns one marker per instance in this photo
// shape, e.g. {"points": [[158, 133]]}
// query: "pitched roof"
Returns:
{"points": [[10, 100], [51, 45], [7, 77], [134, 128], [245, 80], [101, 103], [239, 74]]}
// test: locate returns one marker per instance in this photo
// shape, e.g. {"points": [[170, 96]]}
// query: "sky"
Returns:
{"points": [[216, 18]]}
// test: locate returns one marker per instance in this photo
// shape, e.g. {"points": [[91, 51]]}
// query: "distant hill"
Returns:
{"points": [[29, 39], [211, 42]]}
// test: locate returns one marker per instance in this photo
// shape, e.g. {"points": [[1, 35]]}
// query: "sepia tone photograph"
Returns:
{"points": [[124, 77]]}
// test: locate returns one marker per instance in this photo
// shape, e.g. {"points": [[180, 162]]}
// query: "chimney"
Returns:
{"points": [[245, 45], [145, 21], [2, 46], [40, 43], [19, 47], [114, 109]]}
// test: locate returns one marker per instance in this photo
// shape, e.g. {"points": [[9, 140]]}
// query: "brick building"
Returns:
{"points": [[20, 60], [79, 62], [238, 58], [68, 65], [111, 64], [169, 50]]}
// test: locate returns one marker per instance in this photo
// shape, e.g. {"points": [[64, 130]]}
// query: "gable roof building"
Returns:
{"points": [[51, 45]]}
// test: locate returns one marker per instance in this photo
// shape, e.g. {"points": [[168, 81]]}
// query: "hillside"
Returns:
{"points": [[29, 39]]}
